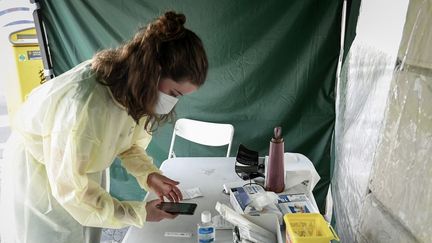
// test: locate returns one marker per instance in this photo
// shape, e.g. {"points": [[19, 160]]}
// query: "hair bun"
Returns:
{"points": [[171, 26], [173, 17]]}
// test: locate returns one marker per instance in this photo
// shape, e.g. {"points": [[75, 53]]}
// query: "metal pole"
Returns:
{"points": [[43, 41]]}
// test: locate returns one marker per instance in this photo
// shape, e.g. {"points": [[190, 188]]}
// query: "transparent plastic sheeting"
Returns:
{"points": [[362, 95], [382, 181], [402, 169]]}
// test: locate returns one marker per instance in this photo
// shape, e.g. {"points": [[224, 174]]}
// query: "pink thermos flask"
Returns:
{"points": [[275, 178]]}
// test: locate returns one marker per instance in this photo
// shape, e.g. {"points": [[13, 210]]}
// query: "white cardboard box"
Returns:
{"points": [[269, 222]]}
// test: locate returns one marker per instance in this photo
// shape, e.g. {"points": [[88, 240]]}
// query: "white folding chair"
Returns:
{"points": [[205, 133]]}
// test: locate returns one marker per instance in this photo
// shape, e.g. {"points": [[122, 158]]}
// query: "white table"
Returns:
{"points": [[209, 174]]}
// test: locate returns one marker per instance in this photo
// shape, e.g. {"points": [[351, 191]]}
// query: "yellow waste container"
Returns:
{"points": [[308, 228], [29, 68]]}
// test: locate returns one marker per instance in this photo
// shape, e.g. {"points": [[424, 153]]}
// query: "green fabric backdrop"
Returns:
{"points": [[271, 63]]}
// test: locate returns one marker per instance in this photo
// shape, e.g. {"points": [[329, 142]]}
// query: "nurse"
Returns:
{"points": [[71, 128]]}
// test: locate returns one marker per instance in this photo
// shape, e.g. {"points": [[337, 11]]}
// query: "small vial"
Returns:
{"points": [[206, 230]]}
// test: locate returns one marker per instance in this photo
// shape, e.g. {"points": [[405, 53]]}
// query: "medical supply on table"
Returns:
{"points": [[227, 186], [295, 203], [251, 199], [308, 228], [262, 200], [248, 230], [206, 231], [237, 238], [178, 234], [191, 193], [240, 198], [275, 177], [221, 224]]}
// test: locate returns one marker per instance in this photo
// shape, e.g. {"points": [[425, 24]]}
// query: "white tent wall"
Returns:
{"points": [[8, 70], [402, 171], [7, 62], [382, 180]]}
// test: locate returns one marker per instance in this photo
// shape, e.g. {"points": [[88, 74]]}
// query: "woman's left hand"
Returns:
{"points": [[164, 186]]}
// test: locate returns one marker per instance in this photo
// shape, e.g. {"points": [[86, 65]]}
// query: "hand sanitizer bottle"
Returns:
{"points": [[206, 230]]}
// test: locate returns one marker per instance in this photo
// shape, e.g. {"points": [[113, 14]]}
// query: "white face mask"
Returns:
{"points": [[165, 103]]}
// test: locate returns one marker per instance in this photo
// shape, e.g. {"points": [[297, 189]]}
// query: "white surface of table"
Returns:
{"points": [[209, 174]]}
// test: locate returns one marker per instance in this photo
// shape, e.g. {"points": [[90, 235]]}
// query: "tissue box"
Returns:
{"points": [[240, 198], [295, 203]]}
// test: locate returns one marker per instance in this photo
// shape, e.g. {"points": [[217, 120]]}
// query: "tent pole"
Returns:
{"points": [[329, 199], [342, 41], [43, 41]]}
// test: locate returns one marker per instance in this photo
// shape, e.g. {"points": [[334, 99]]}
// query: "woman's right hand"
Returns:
{"points": [[154, 214]]}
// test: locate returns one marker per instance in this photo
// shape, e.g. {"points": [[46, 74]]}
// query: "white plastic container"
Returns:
{"points": [[206, 231]]}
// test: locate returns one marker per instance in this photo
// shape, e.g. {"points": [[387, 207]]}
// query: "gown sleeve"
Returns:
{"points": [[137, 162]]}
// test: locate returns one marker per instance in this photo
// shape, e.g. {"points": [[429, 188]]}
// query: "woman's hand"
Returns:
{"points": [[164, 186], [154, 214]]}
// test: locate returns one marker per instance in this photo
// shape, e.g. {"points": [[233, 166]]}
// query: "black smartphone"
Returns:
{"points": [[177, 208]]}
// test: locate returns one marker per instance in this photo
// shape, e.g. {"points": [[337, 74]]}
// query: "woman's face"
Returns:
{"points": [[172, 88]]}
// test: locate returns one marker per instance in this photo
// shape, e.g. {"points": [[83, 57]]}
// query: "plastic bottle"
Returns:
{"points": [[206, 230], [275, 177]]}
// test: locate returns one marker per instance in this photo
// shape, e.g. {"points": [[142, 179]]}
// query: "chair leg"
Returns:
{"points": [[105, 183]]}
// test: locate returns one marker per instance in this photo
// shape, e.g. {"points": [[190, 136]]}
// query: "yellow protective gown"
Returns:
{"points": [[66, 134]]}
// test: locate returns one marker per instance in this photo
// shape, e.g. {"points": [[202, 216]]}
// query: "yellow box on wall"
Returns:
{"points": [[29, 68]]}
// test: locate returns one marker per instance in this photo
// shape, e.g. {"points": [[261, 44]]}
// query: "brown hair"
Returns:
{"points": [[163, 49]]}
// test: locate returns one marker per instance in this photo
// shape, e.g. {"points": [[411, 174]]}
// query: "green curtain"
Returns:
{"points": [[271, 63]]}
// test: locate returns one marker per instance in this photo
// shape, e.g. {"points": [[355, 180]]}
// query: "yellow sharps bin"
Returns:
{"points": [[29, 68]]}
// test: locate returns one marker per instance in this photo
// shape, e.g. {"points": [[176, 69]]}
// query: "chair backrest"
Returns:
{"points": [[205, 133]]}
